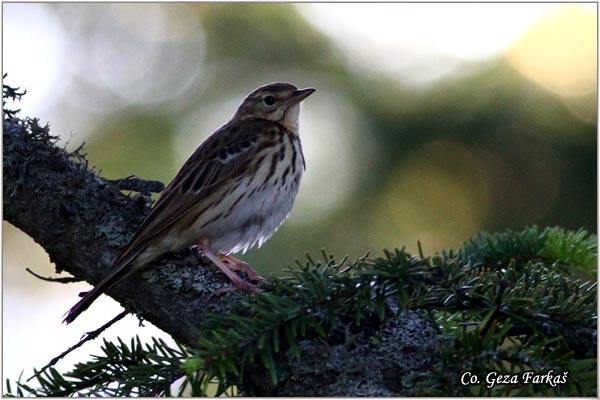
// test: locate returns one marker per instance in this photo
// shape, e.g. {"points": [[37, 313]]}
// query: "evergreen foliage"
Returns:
{"points": [[123, 370], [506, 302]]}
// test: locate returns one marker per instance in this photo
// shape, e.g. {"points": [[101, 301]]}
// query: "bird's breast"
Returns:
{"points": [[249, 212]]}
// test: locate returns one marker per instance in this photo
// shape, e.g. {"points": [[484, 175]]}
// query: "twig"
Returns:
{"points": [[86, 338], [68, 279], [136, 184]]}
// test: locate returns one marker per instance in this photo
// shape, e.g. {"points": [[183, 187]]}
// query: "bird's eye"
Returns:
{"points": [[269, 100]]}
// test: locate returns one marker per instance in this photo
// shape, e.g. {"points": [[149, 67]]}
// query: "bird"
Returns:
{"points": [[232, 193]]}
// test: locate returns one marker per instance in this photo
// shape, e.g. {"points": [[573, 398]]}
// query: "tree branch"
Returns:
{"points": [[82, 220]]}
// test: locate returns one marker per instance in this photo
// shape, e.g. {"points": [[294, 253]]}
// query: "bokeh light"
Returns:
{"points": [[421, 43], [441, 194], [127, 54], [559, 51]]}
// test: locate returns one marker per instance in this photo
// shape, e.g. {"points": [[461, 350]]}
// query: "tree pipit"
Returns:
{"points": [[232, 193]]}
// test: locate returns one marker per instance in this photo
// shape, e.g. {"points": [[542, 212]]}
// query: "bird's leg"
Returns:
{"points": [[239, 283], [240, 265]]}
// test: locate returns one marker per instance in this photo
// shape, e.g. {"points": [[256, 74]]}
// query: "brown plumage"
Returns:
{"points": [[230, 195]]}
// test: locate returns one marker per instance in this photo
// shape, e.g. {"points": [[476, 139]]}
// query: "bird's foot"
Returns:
{"points": [[239, 265], [228, 269]]}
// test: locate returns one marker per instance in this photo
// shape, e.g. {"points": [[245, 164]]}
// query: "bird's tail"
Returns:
{"points": [[119, 273]]}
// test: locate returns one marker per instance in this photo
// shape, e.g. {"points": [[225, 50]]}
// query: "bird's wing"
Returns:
{"points": [[223, 157]]}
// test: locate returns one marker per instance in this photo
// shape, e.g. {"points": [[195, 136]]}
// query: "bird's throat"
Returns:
{"points": [[291, 117]]}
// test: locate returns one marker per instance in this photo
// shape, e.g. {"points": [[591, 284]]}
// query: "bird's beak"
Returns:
{"points": [[300, 95]]}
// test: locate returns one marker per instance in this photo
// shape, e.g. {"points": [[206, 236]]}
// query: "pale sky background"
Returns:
{"points": [[417, 44]]}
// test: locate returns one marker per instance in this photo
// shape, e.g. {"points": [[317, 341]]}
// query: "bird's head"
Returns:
{"points": [[277, 102]]}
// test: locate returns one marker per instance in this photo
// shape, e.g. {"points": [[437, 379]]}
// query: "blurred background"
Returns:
{"points": [[431, 122]]}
